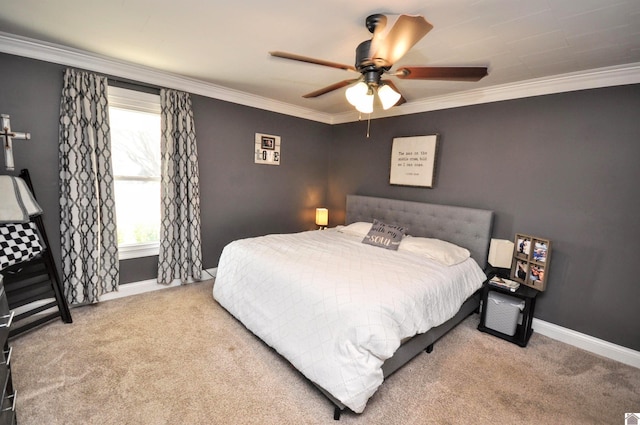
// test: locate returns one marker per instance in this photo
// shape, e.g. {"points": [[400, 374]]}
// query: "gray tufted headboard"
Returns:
{"points": [[466, 227]]}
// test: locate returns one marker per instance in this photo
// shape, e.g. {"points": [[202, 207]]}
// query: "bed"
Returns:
{"points": [[347, 314]]}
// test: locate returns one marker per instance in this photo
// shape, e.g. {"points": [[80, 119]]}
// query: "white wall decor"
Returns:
{"points": [[413, 161], [267, 149]]}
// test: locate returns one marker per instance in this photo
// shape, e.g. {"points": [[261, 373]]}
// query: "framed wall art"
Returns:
{"points": [[267, 149], [413, 161]]}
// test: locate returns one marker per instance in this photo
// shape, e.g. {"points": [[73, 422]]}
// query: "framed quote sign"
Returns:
{"points": [[413, 161]]}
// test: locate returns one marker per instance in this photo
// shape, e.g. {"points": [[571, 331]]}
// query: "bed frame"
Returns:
{"points": [[467, 227]]}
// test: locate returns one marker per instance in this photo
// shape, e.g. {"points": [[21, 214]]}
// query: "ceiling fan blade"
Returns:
{"points": [[394, 35], [330, 88], [299, 58], [462, 73], [393, 86]]}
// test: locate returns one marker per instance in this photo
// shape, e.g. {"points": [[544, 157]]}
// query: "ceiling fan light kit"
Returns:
{"points": [[393, 36], [361, 95]]}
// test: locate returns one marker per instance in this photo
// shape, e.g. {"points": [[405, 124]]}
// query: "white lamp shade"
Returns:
{"points": [[322, 216], [501, 253], [356, 92], [366, 104], [388, 96], [359, 96]]}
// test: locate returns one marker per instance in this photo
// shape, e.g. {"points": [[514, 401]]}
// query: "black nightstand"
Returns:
{"points": [[523, 330]]}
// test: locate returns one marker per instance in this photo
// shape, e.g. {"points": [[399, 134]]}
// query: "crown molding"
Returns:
{"points": [[49, 52], [591, 79]]}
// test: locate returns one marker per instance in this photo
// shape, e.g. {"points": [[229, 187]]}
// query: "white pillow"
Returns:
{"points": [[359, 228], [441, 251]]}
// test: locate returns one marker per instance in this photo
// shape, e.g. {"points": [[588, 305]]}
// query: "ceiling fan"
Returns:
{"points": [[393, 36]]}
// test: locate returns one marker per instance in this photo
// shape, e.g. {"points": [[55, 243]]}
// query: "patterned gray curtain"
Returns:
{"points": [[180, 255], [87, 208]]}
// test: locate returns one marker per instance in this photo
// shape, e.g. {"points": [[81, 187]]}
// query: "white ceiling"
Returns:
{"points": [[225, 44]]}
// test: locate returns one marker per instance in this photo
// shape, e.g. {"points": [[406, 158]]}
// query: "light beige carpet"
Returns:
{"points": [[176, 357]]}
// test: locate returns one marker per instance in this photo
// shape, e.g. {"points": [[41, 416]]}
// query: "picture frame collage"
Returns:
{"points": [[530, 264]]}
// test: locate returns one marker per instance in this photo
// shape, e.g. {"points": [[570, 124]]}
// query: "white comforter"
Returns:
{"points": [[337, 308]]}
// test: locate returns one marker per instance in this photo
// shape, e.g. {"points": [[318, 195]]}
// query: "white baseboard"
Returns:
{"points": [[124, 290], [568, 336], [149, 285], [588, 343]]}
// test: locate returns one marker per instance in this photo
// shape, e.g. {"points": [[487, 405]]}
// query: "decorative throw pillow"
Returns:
{"points": [[385, 235], [18, 242]]}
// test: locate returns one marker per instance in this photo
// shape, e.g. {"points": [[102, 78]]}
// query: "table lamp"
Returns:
{"points": [[501, 255], [322, 217]]}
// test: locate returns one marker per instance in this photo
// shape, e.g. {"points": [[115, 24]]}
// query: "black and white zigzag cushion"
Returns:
{"points": [[18, 242]]}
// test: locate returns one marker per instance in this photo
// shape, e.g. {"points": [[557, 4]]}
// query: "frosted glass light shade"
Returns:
{"points": [[322, 216], [355, 93], [365, 105], [360, 96], [388, 96]]}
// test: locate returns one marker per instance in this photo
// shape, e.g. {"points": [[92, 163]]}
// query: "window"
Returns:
{"points": [[134, 118]]}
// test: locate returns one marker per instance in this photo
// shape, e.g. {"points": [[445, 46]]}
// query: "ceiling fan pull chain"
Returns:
{"points": [[368, 124]]}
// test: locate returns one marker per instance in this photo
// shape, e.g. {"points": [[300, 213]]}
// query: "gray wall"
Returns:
{"points": [[562, 167], [238, 198], [30, 94]]}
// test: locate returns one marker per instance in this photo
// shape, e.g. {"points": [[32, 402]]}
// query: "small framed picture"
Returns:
{"points": [[540, 249], [268, 142], [536, 275], [523, 246], [520, 271]]}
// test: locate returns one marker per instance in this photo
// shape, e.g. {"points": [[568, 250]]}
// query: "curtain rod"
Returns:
{"points": [[134, 85]]}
